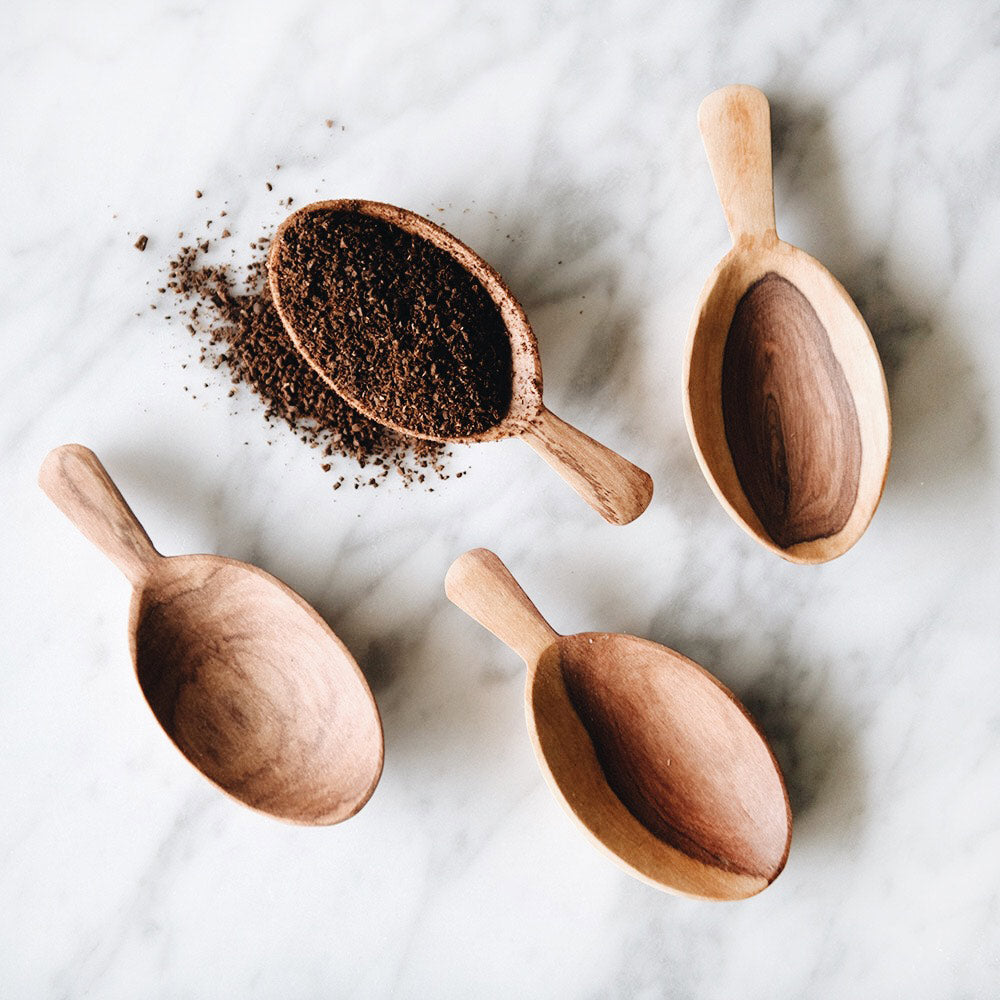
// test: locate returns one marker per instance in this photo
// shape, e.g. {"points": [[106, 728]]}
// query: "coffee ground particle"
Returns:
{"points": [[140, 243], [240, 332], [396, 322]]}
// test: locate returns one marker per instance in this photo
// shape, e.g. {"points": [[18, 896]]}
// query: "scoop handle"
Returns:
{"points": [[480, 584], [76, 482], [735, 124], [618, 490]]}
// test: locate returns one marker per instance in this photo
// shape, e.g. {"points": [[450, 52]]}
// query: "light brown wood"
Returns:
{"points": [[655, 759], [243, 675], [785, 397], [618, 490]]}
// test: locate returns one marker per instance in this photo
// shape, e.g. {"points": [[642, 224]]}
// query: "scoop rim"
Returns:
{"points": [[755, 883], [520, 333], [813, 551], [346, 658]]}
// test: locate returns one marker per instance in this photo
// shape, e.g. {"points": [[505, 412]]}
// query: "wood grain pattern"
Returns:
{"points": [[242, 674], [613, 486], [789, 415], [77, 483], [618, 490], [798, 454], [678, 752], [657, 761], [253, 693]]}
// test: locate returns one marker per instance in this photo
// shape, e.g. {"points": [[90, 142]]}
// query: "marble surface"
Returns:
{"points": [[560, 141]]}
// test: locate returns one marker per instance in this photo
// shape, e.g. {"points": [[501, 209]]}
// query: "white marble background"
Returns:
{"points": [[546, 132]]}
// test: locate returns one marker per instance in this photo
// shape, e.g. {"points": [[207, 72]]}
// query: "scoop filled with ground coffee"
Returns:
{"points": [[417, 332]]}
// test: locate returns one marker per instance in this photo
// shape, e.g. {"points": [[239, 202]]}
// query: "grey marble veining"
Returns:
{"points": [[560, 141]]}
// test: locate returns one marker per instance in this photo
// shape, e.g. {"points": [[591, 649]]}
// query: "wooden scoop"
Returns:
{"points": [[614, 487], [653, 757], [244, 676], [785, 398]]}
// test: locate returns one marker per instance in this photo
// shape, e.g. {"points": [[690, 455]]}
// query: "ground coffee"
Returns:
{"points": [[397, 323], [230, 310]]}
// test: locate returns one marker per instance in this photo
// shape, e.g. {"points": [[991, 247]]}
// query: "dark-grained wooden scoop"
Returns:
{"points": [[785, 397], [244, 676], [649, 753]]}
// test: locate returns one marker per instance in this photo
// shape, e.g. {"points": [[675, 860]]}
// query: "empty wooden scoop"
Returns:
{"points": [[785, 398], [244, 676], [652, 756], [614, 487]]}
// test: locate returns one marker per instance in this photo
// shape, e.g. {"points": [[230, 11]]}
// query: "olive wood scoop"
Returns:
{"points": [[243, 675], [614, 487], [785, 398], [649, 753]]}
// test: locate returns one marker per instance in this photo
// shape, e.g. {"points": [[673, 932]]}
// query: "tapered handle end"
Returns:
{"points": [[735, 125], [75, 481], [618, 490], [480, 584]]}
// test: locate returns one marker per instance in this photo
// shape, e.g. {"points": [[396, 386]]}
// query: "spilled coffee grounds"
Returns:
{"points": [[241, 332], [398, 324]]}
